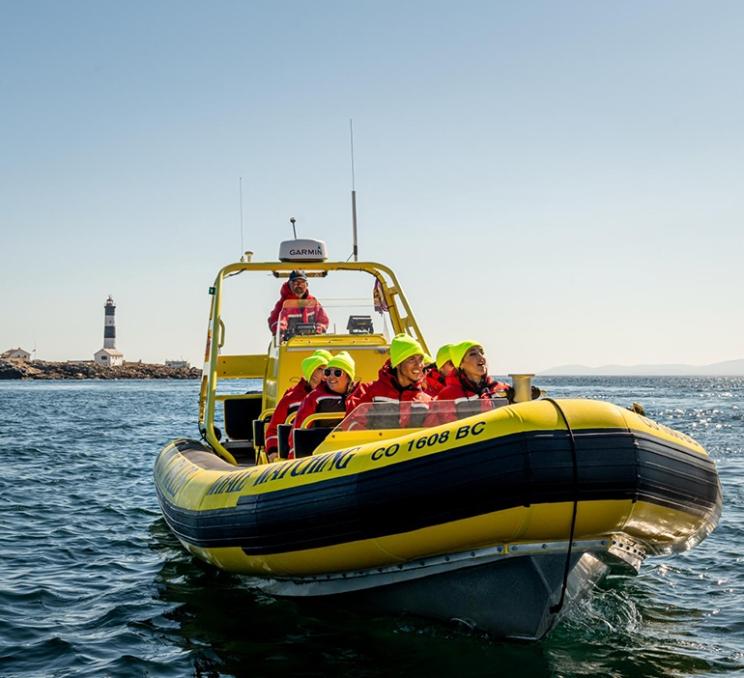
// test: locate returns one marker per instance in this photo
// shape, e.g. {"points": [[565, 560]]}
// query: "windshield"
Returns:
{"points": [[411, 414], [301, 317], [254, 309]]}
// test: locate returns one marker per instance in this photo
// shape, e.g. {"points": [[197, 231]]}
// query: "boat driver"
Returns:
{"points": [[303, 307]]}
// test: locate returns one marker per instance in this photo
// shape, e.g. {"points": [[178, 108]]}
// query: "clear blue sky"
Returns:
{"points": [[559, 180]]}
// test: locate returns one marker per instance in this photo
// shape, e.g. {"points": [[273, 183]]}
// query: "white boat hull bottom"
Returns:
{"points": [[507, 594]]}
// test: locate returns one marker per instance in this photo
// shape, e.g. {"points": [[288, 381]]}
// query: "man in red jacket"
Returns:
{"points": [[297, 304], [401, 382], [312, 376]]}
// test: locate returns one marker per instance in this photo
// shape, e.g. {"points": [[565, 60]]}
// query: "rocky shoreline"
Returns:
{"points": [[41, 369]]}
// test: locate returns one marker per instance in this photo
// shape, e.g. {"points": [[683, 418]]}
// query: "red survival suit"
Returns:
{"points": [[411, 401], [313, 313], [320, 399], [435, 381], [464, 398], [290, 402]]}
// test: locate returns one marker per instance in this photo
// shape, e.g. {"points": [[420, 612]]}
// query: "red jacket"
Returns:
{"points": [[386, 389], [460, 393], [312, 314], [290, 402], [435, 381], [320, 399]]}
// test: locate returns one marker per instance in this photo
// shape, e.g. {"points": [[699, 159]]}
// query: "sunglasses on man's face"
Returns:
{"points": [[335, 373]]}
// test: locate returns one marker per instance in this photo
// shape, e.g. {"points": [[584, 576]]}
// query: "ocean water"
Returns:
{"points": [[92, 583]]}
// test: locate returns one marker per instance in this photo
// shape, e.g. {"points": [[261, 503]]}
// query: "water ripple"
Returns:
{"points": [[94, 584]]}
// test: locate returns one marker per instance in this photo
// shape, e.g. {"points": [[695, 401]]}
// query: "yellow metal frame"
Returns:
{"points": [[322, 416], [217, 366]]}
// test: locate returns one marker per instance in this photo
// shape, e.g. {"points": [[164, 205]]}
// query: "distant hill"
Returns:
{"points": [[728, 368]]}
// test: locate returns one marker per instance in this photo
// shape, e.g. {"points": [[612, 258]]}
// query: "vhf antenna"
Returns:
{"points": [[355, 251], [292, 221], [242, 246]]}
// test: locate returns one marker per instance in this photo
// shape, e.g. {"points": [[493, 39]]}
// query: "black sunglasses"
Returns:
{"points": [[336, 373]]}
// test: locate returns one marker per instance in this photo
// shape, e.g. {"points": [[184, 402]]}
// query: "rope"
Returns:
{"points": [[557, 607]]}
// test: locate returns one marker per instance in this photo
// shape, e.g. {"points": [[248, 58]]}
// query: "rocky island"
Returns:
{"points": [[84, 369]]}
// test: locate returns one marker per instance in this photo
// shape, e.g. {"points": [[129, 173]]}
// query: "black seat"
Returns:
{"points": [[259, 432], [242, 450], [239, 415], [282, 433], [307, 439]]}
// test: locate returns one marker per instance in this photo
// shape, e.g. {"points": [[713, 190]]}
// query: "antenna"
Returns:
{"points": [[355, 251], [242, 247], [292, 221]]}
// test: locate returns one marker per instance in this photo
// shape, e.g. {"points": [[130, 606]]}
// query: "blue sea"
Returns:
{"points": [[92, 583]]}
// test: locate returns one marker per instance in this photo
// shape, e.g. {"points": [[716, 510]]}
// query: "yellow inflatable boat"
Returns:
{"points": [[500, 518]]}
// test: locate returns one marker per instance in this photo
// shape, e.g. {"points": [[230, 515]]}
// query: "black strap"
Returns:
{"points": [[557, 607]]}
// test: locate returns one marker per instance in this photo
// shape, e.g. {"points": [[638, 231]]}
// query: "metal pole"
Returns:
{"points": [[355, 250]]}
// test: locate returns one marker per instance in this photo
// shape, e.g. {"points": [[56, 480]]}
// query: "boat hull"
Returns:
{"points": [[419, 522], [518, 592]]}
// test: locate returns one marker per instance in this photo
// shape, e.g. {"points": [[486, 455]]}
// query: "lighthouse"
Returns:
{"points": [[108, 356]]}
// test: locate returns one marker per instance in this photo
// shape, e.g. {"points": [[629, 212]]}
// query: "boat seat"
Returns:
{"points": [[307, 439], [259, 432], [242, 450], [282, 433], [239, 415]]}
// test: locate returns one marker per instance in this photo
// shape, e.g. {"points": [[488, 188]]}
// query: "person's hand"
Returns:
{"points": [[510, 393], [536, 393], [320, 329], [273, 456]]}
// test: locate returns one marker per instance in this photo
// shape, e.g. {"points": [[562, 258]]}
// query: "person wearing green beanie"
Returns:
{"points": [[403, 347], [436, 374], [468, 381], [401, 379], [310, 364], [470, 389], [458, 351], [444, 359], [346, 364], [312, 375], [331, 395]]}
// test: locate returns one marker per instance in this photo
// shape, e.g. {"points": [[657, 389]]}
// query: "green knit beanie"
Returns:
{"points": [[458, 351], [318, 359], [443, 355], [344, 362], [402, 347]]}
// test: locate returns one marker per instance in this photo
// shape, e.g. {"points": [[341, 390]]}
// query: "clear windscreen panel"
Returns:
{"points": [[343, 303], [302, 317], [408, 414]]}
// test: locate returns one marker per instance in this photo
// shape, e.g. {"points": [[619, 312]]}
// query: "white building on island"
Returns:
{"points": [[16, 355], [108, 356]]}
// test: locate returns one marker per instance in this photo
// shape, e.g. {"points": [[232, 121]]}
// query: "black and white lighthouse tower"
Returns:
{"points": [[108, 355], [109, 324]]}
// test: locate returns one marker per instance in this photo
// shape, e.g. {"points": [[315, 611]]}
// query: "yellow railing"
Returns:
{"points": [[255, 366]]}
